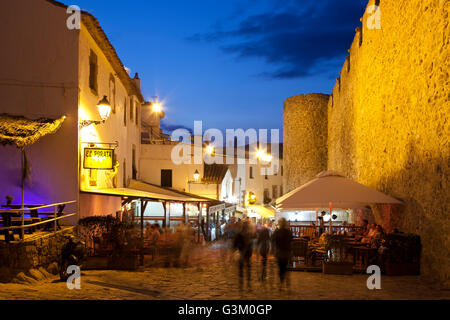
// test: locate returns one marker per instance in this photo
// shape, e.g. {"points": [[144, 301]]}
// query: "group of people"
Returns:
{"points": [[152, 233], [178, 240], [245, 237], [371, 234]]}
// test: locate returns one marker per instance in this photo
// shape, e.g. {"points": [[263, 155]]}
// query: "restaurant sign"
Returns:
{"points": [[98, 158]]}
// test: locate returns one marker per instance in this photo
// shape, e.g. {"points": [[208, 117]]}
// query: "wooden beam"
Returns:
{"points": [[199, 220], [208, 238], [143, 206], [165, 214], [185, 215]]}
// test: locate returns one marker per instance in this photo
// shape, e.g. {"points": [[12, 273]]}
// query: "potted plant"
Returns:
{"points": [[125, 243], [336, 262], [119, 242]]}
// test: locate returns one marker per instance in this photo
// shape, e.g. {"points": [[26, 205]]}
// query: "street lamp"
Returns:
{"points": [[156, 107], [262, 155], [104, 110], [209, 150]]}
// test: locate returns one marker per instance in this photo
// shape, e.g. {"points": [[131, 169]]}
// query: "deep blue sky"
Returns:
{"points": [[230, 63]]}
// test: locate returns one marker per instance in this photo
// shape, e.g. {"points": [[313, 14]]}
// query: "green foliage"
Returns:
{"points": [[118, 235], [335, 245]]}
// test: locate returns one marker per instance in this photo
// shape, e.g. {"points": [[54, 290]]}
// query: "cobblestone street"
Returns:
{"points": [[209, 278]]}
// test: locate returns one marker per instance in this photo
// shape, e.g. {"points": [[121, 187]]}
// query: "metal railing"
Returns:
{"points": [[22, 211], [312, 231]]}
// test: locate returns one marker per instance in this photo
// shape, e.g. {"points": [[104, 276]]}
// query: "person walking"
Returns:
{"points": [[264, 247], [282, 239], [244, 243]]}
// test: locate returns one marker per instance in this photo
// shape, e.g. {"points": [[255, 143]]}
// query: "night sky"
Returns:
{"points": [[230, 63]]}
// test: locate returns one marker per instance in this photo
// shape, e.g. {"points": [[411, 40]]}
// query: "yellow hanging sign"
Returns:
{"points": [[98, 158]]}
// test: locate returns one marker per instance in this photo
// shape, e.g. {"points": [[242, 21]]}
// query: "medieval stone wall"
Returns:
{"points": [[305, 134], [28, 256], [388, 122]]}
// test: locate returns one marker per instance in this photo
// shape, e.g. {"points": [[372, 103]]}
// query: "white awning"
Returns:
{"points": [[330, 187]]}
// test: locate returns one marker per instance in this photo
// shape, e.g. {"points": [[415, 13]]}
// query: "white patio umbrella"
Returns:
{"points": [[330, 189]]}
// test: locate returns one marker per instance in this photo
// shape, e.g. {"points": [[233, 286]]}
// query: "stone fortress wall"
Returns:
{"points": [[388, 122]]}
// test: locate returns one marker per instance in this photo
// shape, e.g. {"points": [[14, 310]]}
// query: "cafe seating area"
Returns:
{"points": [[347, 252]]}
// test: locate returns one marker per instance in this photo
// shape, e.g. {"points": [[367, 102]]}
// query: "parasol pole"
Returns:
{"points": [[331, 220], [317, 220], [23, 176], [23, 186]]}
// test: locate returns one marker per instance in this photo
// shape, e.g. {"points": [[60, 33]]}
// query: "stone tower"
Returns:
{"points": [[304, 138]]}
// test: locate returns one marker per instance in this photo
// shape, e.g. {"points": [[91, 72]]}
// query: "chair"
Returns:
{"points": [[299, 250], [310, 232]]}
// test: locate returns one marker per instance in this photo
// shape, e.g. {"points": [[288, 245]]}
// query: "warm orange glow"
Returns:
{"points": [[196, 175], [104, 108], [156, 107], [260, 153], [209, 150]]}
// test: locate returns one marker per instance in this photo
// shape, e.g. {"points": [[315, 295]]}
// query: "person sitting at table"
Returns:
{"points": [[377, 237], [365, 228], [370, 234], [155, 235], [148, 231]]}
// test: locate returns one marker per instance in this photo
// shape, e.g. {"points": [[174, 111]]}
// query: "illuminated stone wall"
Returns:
{"points": [[304, 138], [388, 122]]}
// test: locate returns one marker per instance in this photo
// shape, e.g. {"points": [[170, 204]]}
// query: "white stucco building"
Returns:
{"points": [[50, 71]]}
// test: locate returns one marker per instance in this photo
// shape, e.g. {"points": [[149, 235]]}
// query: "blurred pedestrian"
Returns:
{"points": [[264, 247], [244, 243], [186, 237], [282, 239]]}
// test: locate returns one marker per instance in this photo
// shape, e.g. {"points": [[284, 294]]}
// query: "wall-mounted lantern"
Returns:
{"points": [[104, 110], [196, 175]]}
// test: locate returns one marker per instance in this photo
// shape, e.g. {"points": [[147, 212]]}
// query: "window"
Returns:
{"points": [[281, 191], [112, 93], [137, 112], [131, 108], [93, 72], [281, 170], [274, 192], [166, 178], [134, 163], [266, 196], [125, 112], [251, 172], [124, 170]]}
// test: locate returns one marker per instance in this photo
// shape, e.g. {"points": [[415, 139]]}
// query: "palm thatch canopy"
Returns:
{"points": [[20, 131]]}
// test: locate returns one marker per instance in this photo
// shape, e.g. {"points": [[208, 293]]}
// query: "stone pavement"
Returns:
{"points": [[209, 277]]}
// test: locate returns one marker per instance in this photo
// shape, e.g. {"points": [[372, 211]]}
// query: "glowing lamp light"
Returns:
{"points": [[267, 158], [156, 107], [260, 153], [209, 149], [104, 108], [196, 175]]}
